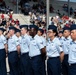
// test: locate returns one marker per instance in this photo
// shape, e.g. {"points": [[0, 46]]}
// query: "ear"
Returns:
{"points": [[54, 33]]}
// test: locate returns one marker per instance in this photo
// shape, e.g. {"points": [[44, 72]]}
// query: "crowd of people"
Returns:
{"points": [[37, 7], [60, 22]]}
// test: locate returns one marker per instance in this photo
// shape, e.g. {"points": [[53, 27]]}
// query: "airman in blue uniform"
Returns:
{"points": [[40, 34], [36, 51], [18, 34], [24, 44], [54, 52], [72, 52], [13, 51], [65, 44], [3, 51]]}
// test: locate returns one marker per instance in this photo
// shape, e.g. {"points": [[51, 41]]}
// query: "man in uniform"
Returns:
{"points": [[65, 44], [72, 52], [3, 51], [24, 44], [13, 51], [36, 51], [40, 34]]}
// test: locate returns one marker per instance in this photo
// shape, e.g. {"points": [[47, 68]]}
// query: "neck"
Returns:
{"points": [[24, 34], [18, 36], [66, 37], [33, 36], [38, 35], [12, 35], [52, 38]]}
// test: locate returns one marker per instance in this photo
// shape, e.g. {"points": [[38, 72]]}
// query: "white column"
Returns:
{"points": [[47, 10]]}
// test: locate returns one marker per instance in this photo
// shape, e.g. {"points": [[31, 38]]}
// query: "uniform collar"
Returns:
{"points": [[12, 36], [61, 37], [24, 35], [53, 40], [74, 42], [36, 36], [67, 38]]}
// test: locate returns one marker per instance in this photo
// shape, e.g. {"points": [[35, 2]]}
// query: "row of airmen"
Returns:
{"points": [[27, 53]]}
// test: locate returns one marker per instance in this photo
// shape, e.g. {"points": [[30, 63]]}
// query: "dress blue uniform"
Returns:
{"points": [[25, 59], [53, 49], [44, 43], [19, 62], [65, 45], [13, 42], [35, 47], [72, 55], [2, 54]]}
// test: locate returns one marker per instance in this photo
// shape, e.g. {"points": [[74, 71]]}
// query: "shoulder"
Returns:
{"points": [[15, 37], [57, 41], [3, 37]]}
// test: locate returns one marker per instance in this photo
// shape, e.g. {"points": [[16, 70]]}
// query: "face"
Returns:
{"points": [[18, 34], [51, 33], [60, 34], [66, 33], [32, 31], [73, 34], [39, 33], [23, 31], [11, 32]]}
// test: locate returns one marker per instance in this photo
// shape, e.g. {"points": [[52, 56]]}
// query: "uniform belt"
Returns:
{"points": [[24, 53], [53, 57], [72, 64], [34, 56], [2, 49], [66, 55], [12, 51]]}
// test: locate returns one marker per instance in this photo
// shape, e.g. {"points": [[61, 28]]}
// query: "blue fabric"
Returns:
{"points": [[13, 63], [3, 62], [72, 69], [25, 64], [54, 66], [65, 66], [37, 65]]}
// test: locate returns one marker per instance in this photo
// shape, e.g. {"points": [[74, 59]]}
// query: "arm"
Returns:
{"points": [[61, 56]]}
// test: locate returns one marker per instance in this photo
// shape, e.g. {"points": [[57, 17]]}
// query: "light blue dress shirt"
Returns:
{"points": [[43, 40], [54, 48], [36, 45], [13, 42], [65, 44], [72, 52], [24, 44], [3, 41]]}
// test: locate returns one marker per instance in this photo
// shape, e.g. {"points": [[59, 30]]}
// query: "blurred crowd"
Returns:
{"points": [[61, 22], [34, 7]]}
